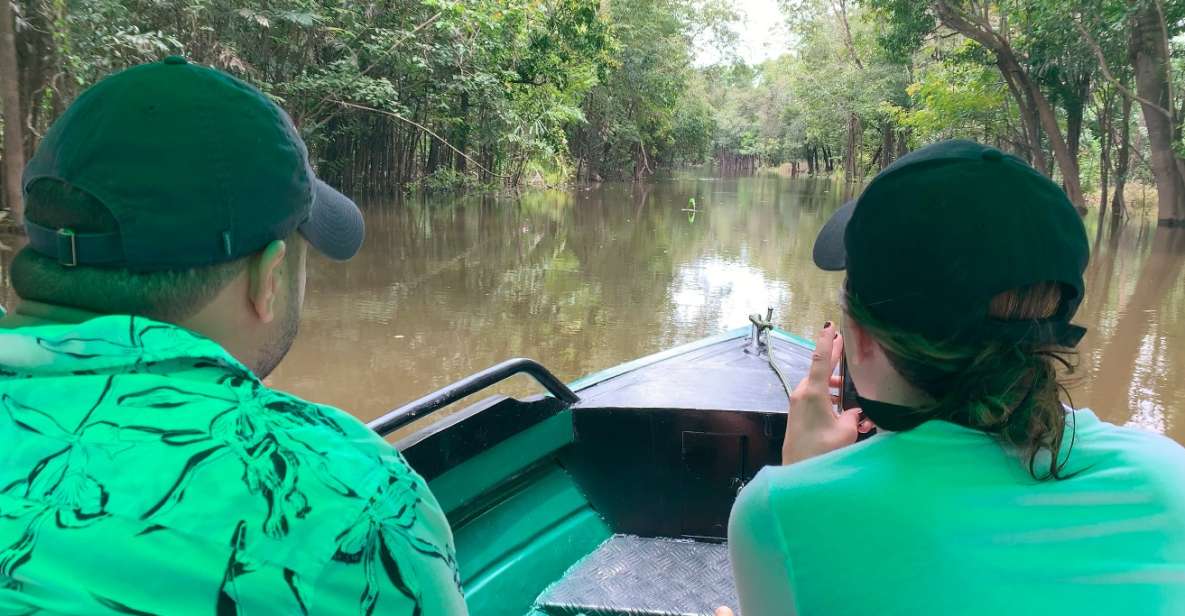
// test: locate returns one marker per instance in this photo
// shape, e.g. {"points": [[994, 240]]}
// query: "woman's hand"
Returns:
{"points": [[812, 426]]}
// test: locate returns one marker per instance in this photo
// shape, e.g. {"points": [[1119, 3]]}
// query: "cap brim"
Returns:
{"points": [[829, 253], [335, 227]]}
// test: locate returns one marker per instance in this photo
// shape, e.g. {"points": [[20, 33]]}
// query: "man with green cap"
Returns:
{"points": [[981, 494], [145, 466]]}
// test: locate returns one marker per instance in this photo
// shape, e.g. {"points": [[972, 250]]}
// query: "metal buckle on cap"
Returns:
{"points": [[67, 244]]}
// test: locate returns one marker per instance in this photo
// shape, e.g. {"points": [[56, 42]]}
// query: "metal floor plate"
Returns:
{"points": [[636, 576]]}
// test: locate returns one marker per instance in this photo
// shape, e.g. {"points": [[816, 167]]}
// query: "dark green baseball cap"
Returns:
{"points": [[943, 230], [196, 167]]}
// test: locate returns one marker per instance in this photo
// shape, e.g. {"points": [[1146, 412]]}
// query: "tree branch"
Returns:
{"points": [[841, 11], [1098, 52], [401, 41], [316, 111], [968, 26], [423, 128]]}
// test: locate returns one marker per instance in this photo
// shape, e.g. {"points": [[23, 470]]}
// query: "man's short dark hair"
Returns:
{"points": [[170, 295]]}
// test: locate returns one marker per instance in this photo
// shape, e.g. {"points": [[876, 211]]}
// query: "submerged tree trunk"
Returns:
{"points": [[1123, 160], [1105, 112], [10, 105], [1148, 51]]}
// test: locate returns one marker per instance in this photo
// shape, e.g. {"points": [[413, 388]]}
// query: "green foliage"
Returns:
{"points": [[473, 94], [498, 79], [695, 125], [644, 112], [831, 99], [955, 99], [905, 26]]}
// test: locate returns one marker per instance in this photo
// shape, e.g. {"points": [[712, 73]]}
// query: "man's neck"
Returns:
{"points": [[30, 314]]}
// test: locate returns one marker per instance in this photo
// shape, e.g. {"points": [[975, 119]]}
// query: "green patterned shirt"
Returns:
{"points": [[143, 470]]}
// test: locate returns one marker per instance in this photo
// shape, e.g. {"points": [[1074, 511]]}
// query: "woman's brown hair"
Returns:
{"points": [[1003, 388]]}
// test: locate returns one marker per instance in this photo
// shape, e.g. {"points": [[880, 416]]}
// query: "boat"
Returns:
{"points": [[609, 495]]}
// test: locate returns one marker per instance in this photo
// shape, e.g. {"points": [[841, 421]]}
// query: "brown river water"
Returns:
{"points": [[588, 278]]}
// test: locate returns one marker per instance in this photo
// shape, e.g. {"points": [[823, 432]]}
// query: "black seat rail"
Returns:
{"points": [[468, 386]]}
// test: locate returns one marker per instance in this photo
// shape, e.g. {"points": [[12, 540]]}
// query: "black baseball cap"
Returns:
{"points": [[196, 167], [943, 230]]}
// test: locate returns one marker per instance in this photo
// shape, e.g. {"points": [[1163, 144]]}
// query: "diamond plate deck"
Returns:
{"points": [[636, 576]]}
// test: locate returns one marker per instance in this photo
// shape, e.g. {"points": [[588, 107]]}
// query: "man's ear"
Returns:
{"points": [[265, 271]]}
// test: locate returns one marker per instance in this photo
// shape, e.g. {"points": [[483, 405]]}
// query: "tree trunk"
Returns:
{"points": [[641, 165], [1148, 58], [1010, 66], [10, 105], [852, 155], [888, 144], [1075, 110], [1075, 105], [1028, 120], [433, 162], [461, 137], [1105, 131], [1118, 201], [1061, 150], [874, 161]]}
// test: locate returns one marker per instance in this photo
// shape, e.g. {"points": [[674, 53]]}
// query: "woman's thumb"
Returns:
{"points": [[850, 419]]}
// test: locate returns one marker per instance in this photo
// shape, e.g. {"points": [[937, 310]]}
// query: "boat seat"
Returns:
{"points": [[637, 576]]}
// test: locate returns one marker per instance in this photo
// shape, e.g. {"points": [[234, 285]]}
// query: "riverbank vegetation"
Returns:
{"points": [[429, 93], [444, 94], [1090, 92]]}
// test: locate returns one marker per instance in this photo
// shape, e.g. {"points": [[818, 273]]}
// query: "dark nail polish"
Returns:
{"points": [[826, 324]]}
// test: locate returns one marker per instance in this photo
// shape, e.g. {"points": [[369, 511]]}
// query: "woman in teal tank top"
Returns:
{"points": [[983, 492]]}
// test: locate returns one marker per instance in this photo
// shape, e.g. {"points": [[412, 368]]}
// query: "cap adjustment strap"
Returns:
{"points": [[67, 247], [72, 249]]}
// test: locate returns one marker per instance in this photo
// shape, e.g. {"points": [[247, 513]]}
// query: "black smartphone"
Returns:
{"points": [[847, 389]]}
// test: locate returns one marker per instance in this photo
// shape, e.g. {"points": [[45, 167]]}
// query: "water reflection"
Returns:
{"points": [[585, 279], [1137, 345], [715, 293]]}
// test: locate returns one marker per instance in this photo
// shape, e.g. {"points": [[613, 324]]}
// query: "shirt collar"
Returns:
{"points": [[31, 313], [111, 343]]}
